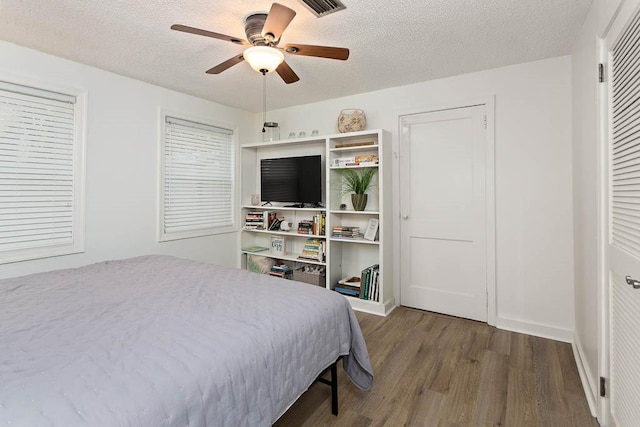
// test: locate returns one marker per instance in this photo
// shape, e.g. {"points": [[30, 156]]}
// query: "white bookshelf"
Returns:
{"points": [[344, 256]]}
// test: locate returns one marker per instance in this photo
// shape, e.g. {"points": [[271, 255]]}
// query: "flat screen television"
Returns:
{"points": [[296, 180]]}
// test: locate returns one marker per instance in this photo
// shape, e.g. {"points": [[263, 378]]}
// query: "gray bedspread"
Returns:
{"points": [[162, 341]]}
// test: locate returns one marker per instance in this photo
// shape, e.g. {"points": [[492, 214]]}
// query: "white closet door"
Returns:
{"points": [[623, 248]]}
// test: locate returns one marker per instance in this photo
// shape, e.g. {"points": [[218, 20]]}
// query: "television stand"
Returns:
{"points": [[295, 205]]}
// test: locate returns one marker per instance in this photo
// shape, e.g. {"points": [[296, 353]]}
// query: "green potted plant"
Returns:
{"points": [[357, 181]]}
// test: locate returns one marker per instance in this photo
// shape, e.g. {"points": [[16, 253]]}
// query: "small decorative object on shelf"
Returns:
{"points": [[270, 131], [285, 226], [351, 120], [277, 245]]}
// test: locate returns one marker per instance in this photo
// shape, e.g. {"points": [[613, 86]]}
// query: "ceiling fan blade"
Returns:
{"points": [[340, 53], [278, 19], [198, 31], [226, 64], [287, 74]]}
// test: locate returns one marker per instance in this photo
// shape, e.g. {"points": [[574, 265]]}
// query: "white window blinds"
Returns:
{"points": [[198, 179], [39, 173]]}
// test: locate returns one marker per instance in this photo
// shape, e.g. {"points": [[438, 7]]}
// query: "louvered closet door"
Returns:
{"points": [[623, 48]]}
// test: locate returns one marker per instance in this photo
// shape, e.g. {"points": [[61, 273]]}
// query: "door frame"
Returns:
{"points": [[489, 104], [624, 8]]}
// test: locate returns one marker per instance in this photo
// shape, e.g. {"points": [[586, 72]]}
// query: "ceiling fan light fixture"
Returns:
{"points": [[263, 58]]}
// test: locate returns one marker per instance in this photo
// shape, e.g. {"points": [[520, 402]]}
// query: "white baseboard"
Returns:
{"points": [[535, 329], [586, 376]]}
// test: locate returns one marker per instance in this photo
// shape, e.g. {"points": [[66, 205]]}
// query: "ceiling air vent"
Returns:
{"points": [[321, 8]]}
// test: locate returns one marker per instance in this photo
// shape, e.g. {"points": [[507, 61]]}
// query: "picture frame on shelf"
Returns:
{"points": [[371, 232], [277, 245]]}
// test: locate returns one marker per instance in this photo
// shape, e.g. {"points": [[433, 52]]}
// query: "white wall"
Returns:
{"points": [[533, 177], [585, 61], [121, 161]]}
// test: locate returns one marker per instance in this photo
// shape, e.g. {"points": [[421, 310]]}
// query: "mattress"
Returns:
{"points": [[163, 341]]}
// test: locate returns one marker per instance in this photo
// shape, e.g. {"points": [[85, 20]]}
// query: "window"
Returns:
{"points": [[196, 198], [41, 166]]}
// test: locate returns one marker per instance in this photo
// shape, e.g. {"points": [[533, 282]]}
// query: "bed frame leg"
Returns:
{"points": [[333, 382], [334, 388]]}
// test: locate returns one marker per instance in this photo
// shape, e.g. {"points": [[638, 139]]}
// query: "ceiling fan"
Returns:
{"points": [[263, 33]]}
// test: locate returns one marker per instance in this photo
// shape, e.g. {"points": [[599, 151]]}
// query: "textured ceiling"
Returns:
{"points": [[392, 42]]}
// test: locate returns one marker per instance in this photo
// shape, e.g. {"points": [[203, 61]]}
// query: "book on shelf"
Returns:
{"points": [[343, 231], [353, 144], [371, 232], [261, 220], [348, 292], [367, 158], [255, 249], [281, 269], [319, 222], [369, 277], [305, 226], [275, 224], [353, 288], [314, 226], [314, 249], [254, 220], [350, 280], [361, 160]]}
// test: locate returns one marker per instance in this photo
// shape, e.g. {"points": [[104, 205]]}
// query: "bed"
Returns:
{"points": [[163, 341]]}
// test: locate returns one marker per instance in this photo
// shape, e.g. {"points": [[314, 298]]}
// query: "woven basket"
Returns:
{"points": [[351, 120], [312, 279]]}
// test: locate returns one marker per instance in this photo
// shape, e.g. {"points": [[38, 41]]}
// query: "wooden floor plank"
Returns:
{"points": [[549, 384], [491, 400], [463, 392], [521, 352], [500, 341], [436, 370], [521, 406]]}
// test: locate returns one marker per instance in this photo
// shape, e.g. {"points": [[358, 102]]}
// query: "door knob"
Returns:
{"points": [[633, 282], [405, 216]]}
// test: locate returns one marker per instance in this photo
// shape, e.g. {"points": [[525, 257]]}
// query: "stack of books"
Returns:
{"points": [[254, 220], [343, 231], [367, 160], [349, 286], [314, 249], [281, 270], [305, 226], [369, 283], [362, 160]]}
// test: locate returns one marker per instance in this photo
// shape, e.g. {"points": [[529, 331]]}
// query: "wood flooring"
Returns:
{"points": [[436, 370]]}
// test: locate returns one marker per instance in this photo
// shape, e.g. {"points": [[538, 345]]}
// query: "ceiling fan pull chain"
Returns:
{"points": [[264, 101]]}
